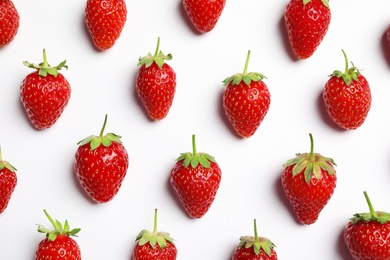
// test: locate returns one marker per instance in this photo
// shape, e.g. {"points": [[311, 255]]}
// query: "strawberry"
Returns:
{"points": [[154, 245], [388, 34], [307, 23], [8, 182], [105, 20], [45, 93], [246, 100], [309, 181], [156, 83], [204, 14], [195, 179], [58, 243], [367, 234], [254, 247], [9, 22], [101, 164], [347, 97]]}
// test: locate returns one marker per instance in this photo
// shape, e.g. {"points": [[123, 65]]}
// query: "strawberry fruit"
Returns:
{"points": [[196, 178], [101, 164], [105, 20], [254, 247], [58, 243], [367, 234], [246, 100], [154, 245], [156, 83], [309, 181], [45, 93], [8, 182], [9, 22], [347, 97], [204, 14], [307, 23]]}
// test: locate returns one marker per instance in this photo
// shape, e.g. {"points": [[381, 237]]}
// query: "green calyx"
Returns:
{"points": [[312, 163], [195, 158], [154, 237], [378, 216], [44, 68], [59, 229], [159, 57], [247, 77], [5, 164], [258, 243], [96, 141], [325, 2], [349, 74]]}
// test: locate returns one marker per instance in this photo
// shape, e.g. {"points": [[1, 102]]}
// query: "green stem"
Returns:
{"points": [[155, 223], [104, 126], [372, 211], [311, 157], [158, 47], [247, 62], [346, 62], [45, 64], [193, 146], [1, 158], [256, 235], [56, 228]]}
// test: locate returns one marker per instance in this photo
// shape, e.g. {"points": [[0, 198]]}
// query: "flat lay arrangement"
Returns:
{"points": [[193, 110]]}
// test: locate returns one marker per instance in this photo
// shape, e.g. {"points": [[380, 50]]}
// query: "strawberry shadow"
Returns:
{"points": [[285, 40], [385, 47], [324, 114], [342, 248], [281, 195], [186, 19]]}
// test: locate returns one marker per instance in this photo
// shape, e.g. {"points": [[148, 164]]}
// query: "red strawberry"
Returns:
{"points": [[58, 243], [255, 247], [105, 20], [101, 164], [8, 181], [196, 178], [388, 34], [154, 245], [307, 22], [45, 93], [347, 97], [156, 84], [367, 234], [246, 100], [204, 14], [309, 181], [9, 22]]}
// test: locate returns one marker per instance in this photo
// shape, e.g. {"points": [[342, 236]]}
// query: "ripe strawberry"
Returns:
{"points": [[309, 181], [105, 20], [101, 164], [9, 22], [156, 84], [45, 93], [307, 22], [367, 234], [347, 97], [154, 245], [388, 34], [246, 100], [58, 243], [254, 247], [204, 14], [196, 178], [8, 181]]}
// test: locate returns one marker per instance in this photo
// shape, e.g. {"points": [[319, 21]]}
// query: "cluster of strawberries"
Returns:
{"points": [[101, 161]]}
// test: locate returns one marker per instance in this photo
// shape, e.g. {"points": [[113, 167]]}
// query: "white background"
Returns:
{"points": [[104, 83]]}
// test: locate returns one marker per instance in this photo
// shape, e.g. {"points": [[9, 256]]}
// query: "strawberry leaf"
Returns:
{"points": [[159, 57], [44, 68], [195, 158]]}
